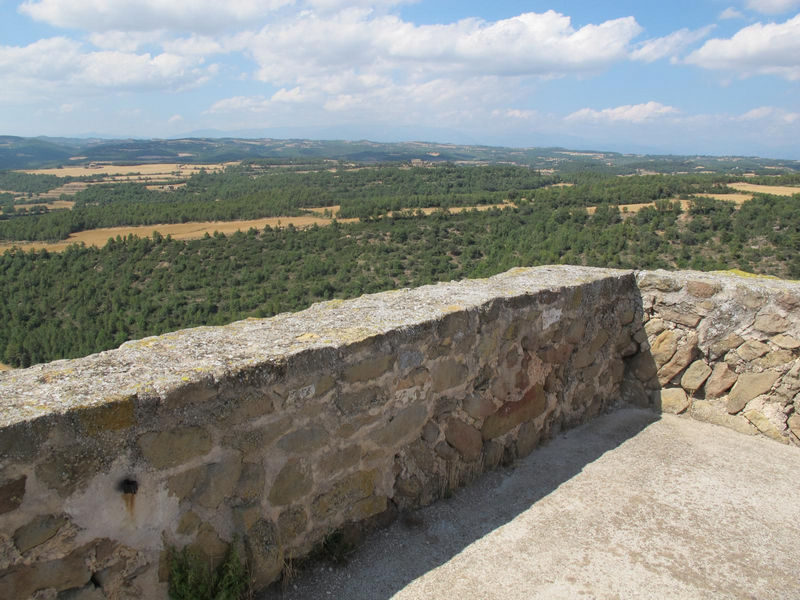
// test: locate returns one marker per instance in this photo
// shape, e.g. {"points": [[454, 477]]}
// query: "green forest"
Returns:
{"points": [[87, 299]]}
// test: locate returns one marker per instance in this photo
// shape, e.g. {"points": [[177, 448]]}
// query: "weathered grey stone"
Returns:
{"points": [[528, 438], [188, 523], [794, 424], [683, 357], [726, 344], [368, 370], [786, 341], [626, 316], [643, 366], [695, 376], [291, 523], [11, 494], [575, 331], [352, 403], [702, 289], [687, 318], [492, 453], [304, 441], [60, 574], [748, 386], [765, 426], [430, 432], [421, 456], [405, 425], [251, 482], [340, 460], [220, 481], [366, 508], [448, 374], [664, 346], [66, 470], [257, 440], [771, 323], [38, 531], [633, 392], [164, 449], [416, 378], [673, 401], [464, 438], [716, 413], [599, 340], [344, 493], [292, 483], [751, 350], [720, 381], [657, 281], [478, 406], [774, 359], [248, 408], [446, 451], [583, 358], [409, 359], [185, 483], [511, 414], [264, 553], [654, 327]]}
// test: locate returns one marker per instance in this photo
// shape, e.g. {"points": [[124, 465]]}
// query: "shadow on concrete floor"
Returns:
{"points": [[421, 541]]}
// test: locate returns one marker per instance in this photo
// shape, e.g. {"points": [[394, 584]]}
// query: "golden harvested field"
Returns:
{"points": [[196, 230], [163, 170], [778, 190], [179, 231], [630, 209]]}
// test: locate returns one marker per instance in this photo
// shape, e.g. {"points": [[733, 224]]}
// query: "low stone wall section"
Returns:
{"points": [[720, 348], [276, 433]]}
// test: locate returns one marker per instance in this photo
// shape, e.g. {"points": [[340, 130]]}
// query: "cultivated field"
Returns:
{"points": [[179, 231], [132, 172], [778, 190], [196, 230]]}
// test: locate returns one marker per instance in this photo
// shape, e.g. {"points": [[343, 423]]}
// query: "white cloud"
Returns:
{"points": [[530, 44], [772, 7], [149, 15], [630, 113], [60, 67], [770, 114], [669, 45], [731, 13], [772, 48]]}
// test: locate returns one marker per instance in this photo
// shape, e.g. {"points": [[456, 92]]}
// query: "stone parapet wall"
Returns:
{"points": [[720, 348], [276, 433]]}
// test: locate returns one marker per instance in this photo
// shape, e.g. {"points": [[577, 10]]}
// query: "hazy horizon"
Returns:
{"points": [[687, 77]]}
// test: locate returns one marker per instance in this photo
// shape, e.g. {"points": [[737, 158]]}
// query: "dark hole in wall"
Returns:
{"points": [[128, 486]]}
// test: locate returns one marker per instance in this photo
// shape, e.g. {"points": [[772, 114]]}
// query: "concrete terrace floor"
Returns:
{"points": [[631, 505]]}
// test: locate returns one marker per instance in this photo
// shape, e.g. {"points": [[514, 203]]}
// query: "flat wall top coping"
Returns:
{"points": [[155, 366]]}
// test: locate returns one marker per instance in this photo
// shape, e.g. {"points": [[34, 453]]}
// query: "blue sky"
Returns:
{"points": [[702, 76]]}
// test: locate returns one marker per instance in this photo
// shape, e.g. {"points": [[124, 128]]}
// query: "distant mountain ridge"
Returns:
{"points": [[38, 152]]}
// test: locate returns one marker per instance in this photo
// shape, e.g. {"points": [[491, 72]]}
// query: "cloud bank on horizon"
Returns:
{"points": [[689, 76]]}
